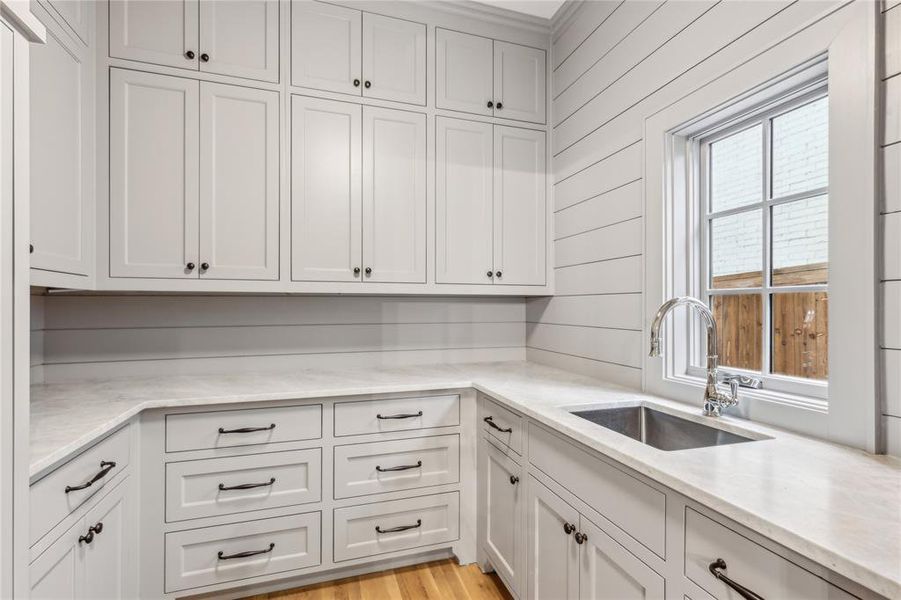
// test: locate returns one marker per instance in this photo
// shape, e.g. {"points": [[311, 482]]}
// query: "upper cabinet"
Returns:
{"points": [[226, 37], [489, 77], [344, 50]]}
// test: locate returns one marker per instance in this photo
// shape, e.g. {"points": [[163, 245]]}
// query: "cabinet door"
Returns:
{"points": [[520, 234], [519, 82], [77, 14], [607, 570], [153, 175], [56, 573], [60, 145], [326, 50], [239, 200], [393, 59], [326, 194], [503, 501], [162, 33], [394, 195], [464, 75], [463, 220], [240, 38], [553, 553], [108, 569]]}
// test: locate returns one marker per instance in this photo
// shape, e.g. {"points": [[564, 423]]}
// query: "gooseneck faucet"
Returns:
{"points": [[714, 400]]}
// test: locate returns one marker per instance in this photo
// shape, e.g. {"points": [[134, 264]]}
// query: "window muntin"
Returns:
{"points": [[764, 241]]}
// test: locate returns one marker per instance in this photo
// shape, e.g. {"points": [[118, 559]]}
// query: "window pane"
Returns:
{"points": [[801, 242], [736, 245], [801, 334], [739, 321], [736, 170], [801, 149]]}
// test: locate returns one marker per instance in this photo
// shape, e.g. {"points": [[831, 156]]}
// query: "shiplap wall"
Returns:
{"points": [[87, 337], [891, 223]]}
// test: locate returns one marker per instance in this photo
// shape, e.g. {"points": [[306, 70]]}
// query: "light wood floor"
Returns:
{"points": [[439, 580]]}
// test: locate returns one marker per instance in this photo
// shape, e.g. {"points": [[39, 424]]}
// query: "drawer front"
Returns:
{"points": [[383, 527], [222, 486], [362, 469], [748, 564], [50, 502], [228, 428], [635, 507], [501, 424], [396, 414], [199, 557]]}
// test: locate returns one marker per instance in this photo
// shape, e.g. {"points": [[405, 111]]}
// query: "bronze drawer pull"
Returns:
{"points": [[400, 416], [224, 556], [716, 569], [247, 429], [491, 423], [245, 486], [399, 468], [401, 528], [105, 468]]}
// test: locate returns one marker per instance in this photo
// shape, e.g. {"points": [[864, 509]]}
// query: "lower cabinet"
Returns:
{"points": [[501, 500], [571, 557], [91, 559]]}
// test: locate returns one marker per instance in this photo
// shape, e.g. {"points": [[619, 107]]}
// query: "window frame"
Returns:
{"points": [[760, 117]]}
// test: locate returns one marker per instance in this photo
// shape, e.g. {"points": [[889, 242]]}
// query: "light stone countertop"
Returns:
{"points": [[839, 507]]}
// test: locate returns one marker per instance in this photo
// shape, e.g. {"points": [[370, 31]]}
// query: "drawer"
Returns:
{"points": [[50, 502], [396, 414], [227, 428], [502, 424], [383, 527], [632, 505], [199, 557], [222, 486], [378, 467], [748, 564]]}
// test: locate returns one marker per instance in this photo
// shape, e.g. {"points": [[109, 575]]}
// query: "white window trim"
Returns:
{"points": [[844, 40]]}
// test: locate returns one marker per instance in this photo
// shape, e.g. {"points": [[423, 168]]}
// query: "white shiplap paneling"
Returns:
{"points": [[891, 170], [891, 228]]}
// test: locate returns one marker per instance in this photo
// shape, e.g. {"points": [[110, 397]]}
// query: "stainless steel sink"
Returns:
{"points": [[659, 429]]}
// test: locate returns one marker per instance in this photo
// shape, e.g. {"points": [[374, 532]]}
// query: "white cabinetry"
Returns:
{"points": [[227, 37], [62, 147], [490, 77], [358, 195], [491, 210], [343, 50], [502, 499], [193, 179], [553, 558]]}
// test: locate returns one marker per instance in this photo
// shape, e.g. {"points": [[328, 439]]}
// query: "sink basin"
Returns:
{"points": [[659, 429]]}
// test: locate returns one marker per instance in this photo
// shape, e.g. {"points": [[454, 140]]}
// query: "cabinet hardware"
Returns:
{"points": [[499, 274], [581, 537], [98, 528], [368, 271], [491, 423], [189, 55], [716, 569], [204, 266], [490, 273], [30, 248], [245, 486], [367, 84], [356, 270], [399, 468], [568, 528], [223, 556], [399, 416], [89, 536], [490, 104], [401, 528], [356, 83], [500, 105], [247, 429], [514, 479], [105, 468], [190, 266], [206, 58]]}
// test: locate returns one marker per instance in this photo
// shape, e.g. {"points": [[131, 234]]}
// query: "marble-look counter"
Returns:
{"points": [[839, 507]]}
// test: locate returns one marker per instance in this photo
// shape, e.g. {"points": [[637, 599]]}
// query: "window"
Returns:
{"points": [[762, 198]]}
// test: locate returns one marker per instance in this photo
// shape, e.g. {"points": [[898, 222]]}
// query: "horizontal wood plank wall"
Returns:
{"points": [[616, 63], [88, 337], [891, 232]]}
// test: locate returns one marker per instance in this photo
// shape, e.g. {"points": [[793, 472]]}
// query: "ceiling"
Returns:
{"points": [[539, 8]]}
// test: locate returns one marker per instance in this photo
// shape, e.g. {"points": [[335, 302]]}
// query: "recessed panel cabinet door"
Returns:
{"points": [[326, 194], [153, 175], [60, 153], [108, 560], [553, 563], [239, 200], [162, 33], [610, 571], [463, 223], [504, 495], [393, 59], [240, 38], [326, 49], [519, 82], [520, 234], [394, 195], [55, 574], [464, 74]]}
